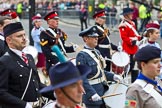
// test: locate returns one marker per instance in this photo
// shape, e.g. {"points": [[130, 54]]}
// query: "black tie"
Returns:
{"points": [[95, 53]]}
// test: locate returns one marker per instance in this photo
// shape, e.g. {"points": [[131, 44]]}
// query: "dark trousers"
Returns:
{"points": [[134, 73], [83, 21], [132, 63], [144, 22]]}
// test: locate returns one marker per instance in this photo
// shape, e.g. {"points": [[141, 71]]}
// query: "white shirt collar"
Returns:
{"points": [[18, 52]]}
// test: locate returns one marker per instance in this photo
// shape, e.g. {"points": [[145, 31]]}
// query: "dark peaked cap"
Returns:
{"points": [[127, 11], [12, 28], [51, 15], [100, 13], [92, 31]]}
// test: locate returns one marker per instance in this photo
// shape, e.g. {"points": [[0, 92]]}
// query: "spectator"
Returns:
{"points": [[144, 14], [135, 13], [19, 9], [107, 12], [83, 16], [113, 12], [62, 5]]}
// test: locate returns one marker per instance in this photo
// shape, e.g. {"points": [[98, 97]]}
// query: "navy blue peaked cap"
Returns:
{"points": [[92, 31], [127, 11]]}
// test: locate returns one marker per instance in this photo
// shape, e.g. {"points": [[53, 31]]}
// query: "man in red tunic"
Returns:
{"points": [[129, 37]]}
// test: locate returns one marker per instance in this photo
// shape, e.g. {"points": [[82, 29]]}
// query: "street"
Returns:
{"points": [[73, 34]]}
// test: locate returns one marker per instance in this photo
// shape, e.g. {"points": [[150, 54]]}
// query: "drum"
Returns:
{"points": [[44, 78], [73, 60], [117, 101], [120, 61], [32, 51]]}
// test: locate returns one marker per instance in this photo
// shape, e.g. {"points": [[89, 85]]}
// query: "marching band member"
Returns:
{"points": [[19, 81], [35, 33], [6, 17], [129, 36], [69, 89], [4, 20], [104, 44], [146, 91], [54, 36], [10, 13], [40, 62], [95, 84], [152, 33]]}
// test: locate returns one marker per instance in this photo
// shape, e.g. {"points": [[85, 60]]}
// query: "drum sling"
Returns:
{"points": [[132, 28], [54, 34], [103, 78]]}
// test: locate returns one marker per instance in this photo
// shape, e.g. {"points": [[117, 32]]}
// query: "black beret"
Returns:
{"points": [[12, 28], [92, 31], [148, 53]]}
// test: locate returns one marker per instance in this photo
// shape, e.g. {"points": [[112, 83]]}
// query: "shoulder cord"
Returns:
{"points": [[131, 27], [27, 84], [98, 64], [102, 30]]}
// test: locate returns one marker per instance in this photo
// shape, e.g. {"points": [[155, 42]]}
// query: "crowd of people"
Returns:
{"points": [[81, 83]]}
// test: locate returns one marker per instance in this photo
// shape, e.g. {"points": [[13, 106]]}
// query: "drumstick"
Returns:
{"points": [[116, 86], [111, 95]]}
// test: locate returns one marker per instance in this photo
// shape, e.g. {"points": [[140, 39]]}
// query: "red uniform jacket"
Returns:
{"points": [[126, 34]]}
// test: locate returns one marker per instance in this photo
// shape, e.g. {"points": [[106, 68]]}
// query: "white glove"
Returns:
{"points": [[120, 48], [28, 105], [118, 78], [96, 97], [75, 47], [133, 38]]}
